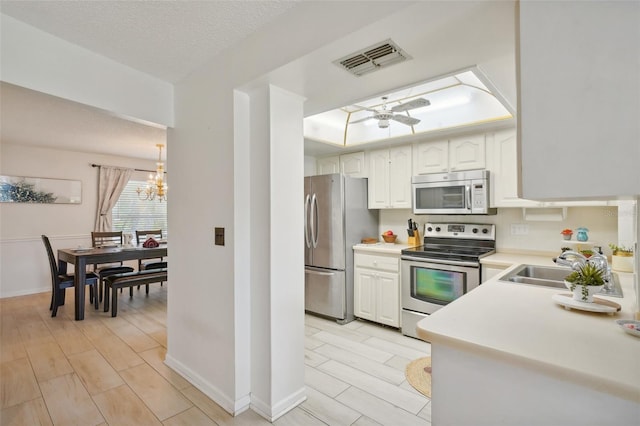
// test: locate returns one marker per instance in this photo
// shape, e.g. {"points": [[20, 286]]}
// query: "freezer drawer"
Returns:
{"points": [[325, 292]]}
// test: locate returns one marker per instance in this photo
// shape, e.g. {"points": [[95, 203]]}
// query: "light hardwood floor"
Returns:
{"points": [[110, 371]]}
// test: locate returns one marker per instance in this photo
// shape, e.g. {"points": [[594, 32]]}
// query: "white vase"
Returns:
{"points": [[582, 295]]}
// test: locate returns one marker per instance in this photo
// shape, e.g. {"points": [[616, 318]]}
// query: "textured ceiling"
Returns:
{"points": [[36, 119], [166, 39]]}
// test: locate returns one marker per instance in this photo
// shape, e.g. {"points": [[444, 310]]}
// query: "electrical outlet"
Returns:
{"points": [[219, 236], [519, 229]]}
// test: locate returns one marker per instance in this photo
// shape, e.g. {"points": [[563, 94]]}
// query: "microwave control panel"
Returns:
{"points": [[478, 198]]}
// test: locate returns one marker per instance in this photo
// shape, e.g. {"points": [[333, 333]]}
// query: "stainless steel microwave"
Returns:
{"points": [[452, 193]]}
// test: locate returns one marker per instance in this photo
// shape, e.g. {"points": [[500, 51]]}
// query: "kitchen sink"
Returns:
{"points": [[550, 276]]}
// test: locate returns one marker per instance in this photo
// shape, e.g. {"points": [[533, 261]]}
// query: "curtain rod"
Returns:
{"points": [[137, 170]]}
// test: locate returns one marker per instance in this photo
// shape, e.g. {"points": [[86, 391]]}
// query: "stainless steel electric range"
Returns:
{"points": [[443, 269]]}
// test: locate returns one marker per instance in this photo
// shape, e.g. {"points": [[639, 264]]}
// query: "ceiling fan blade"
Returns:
{"points": [[409, 121], [361, 120], [415, 103], [364, 108]]}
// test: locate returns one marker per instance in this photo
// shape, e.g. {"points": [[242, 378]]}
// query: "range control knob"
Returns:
{"points": [[474, 230], [429, 229], [485, 231], [437, 229]]}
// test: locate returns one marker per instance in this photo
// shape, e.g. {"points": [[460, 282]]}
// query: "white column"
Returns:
{"points": [[274, 249]]}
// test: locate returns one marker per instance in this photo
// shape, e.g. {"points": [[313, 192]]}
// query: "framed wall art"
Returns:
{"points": [[20, 189]]}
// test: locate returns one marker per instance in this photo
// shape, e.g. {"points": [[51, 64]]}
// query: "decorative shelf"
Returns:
{"points": [[544, 214]]}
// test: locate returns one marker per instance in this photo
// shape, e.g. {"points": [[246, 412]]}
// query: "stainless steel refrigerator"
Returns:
{"points": [[336, 218]]}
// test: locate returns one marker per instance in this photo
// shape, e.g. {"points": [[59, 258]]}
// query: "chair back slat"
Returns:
{"points": [[101, 239], [53, 265], [141, 236]]}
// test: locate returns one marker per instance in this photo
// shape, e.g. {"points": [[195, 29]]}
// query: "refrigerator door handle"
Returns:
{"points": [[323, 274], [307, 240], [314, 220]]}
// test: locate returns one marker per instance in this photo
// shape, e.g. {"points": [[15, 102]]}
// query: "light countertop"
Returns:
{"points": [[506, 259], [380, 247], [521, 324]]}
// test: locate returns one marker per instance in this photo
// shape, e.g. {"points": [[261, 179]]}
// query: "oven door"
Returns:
{"points": [[428, 285]]}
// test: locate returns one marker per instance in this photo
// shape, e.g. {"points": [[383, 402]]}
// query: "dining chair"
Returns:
{"points": [[61, 282], [141, 237], [106, 239]]}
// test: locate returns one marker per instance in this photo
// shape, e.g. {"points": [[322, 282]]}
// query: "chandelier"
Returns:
{"points": [[156, 186]]}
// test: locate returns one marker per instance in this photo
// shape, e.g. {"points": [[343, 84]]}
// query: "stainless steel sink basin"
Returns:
{"points": [[550, 276], [547, 276]]}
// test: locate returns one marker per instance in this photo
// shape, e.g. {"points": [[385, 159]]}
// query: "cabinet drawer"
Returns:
{"points": [[384, 263]]}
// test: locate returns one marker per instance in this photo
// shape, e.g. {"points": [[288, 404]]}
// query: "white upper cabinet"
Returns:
{"points": [[467, 153], [432, 157], [328, 165], [502, 153], [455, 154], [353, 164], [390, 178], [578, 91], [502, 161]]}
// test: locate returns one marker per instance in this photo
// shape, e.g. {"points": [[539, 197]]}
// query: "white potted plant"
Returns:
{"points": [[585, 282], [622, 258]]}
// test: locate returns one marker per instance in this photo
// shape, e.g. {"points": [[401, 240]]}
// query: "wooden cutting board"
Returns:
{"points": [[598, 305]]}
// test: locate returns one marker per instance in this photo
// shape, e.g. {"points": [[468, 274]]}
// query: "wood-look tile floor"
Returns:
{"points": [[110, 371]]}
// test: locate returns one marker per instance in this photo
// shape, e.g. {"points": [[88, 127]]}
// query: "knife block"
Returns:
{"points": [[415, 240]]}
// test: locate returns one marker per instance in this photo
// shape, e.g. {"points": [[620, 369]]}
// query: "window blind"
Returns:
{"points": [[131, 214]]}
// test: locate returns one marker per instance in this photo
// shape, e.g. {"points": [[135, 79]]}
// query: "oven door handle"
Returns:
{"points": [[441, 262]]}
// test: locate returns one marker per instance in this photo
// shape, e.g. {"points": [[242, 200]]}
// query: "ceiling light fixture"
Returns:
{"points": [[156, 186]]}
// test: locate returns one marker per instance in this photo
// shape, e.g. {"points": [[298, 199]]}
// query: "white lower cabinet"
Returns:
{"points": [[377, 288], [490, 271]]}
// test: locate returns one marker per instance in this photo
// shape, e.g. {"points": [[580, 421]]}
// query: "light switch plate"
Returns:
{"points": [[219, 236]]}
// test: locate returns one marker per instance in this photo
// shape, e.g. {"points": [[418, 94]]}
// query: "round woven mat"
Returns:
{"points": [[418, 374]]}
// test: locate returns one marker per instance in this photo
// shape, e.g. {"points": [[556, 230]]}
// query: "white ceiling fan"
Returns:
{"points": [[384, 115]]}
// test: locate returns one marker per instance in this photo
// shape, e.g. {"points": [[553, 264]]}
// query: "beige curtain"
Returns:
{"points": [[111, 183]]}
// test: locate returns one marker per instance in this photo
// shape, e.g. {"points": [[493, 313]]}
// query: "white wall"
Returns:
{"points": [[543, 237], [39, 61], [24, 268]]}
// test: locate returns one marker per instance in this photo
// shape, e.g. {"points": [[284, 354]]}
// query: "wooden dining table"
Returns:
{"points": [[81, 257]]}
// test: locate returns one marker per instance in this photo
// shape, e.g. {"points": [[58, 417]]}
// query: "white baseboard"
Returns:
{"points": [[279, 409], [24, 292], [228, 404]]}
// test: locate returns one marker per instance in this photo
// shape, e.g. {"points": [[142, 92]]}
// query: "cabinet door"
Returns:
{"points": [[466, 153], [400, 177], [578, 113], [489, 272], [353, 165], [505, 175], [432, 157], [364, 294], [379, 179], [388, 303], [328, 165]]}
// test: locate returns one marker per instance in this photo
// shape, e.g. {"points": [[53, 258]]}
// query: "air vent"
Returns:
{"points": [[372, 58]]}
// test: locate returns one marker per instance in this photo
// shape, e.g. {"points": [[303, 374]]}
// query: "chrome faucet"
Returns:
{"points": [[579, 260]]}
